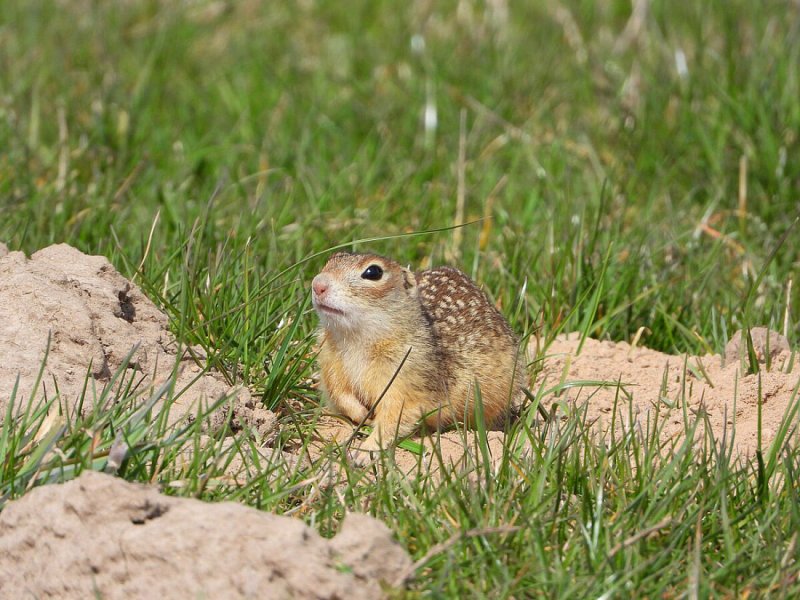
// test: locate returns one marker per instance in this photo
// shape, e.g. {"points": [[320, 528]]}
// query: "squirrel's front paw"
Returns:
{"points": [[363, 454], [359, 457]]}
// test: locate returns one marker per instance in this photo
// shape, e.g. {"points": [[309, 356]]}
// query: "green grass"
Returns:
{"points": [[216, 151]]}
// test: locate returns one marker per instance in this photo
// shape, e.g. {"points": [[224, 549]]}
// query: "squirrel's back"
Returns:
{"points": [[473, 339]]}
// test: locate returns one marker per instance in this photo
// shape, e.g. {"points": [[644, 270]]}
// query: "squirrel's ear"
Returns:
{"points": [[409, 280]]}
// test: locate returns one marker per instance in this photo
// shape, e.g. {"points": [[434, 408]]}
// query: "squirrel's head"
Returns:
{"points": [[362, 292]]}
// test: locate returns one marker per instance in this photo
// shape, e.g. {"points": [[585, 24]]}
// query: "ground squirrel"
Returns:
{"points": [[374, 313]]}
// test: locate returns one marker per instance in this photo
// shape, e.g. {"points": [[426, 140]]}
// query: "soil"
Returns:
{"points": [[454, 449], [97, 323], [99, 536], [717, 388]]}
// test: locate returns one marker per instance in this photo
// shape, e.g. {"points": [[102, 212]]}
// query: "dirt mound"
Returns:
{"points": [[94, 317], [653, 382], [99, 535]]}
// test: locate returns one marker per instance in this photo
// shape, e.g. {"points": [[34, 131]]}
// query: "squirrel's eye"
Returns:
{"points": [[372, 272]]}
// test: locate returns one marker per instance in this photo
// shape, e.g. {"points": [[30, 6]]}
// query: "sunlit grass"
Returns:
{"points": [[628, 178]]}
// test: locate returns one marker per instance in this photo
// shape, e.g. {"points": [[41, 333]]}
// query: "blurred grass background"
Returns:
{"points": [[663, 134]]}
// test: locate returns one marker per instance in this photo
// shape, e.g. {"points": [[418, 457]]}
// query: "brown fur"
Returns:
{"points": [[452, 333]]}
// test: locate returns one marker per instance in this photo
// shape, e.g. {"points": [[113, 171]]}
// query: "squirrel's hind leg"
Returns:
{"points": [[348, 405]]}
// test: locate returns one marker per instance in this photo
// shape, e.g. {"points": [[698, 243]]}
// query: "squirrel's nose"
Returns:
{"points": [[319, 285]]}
